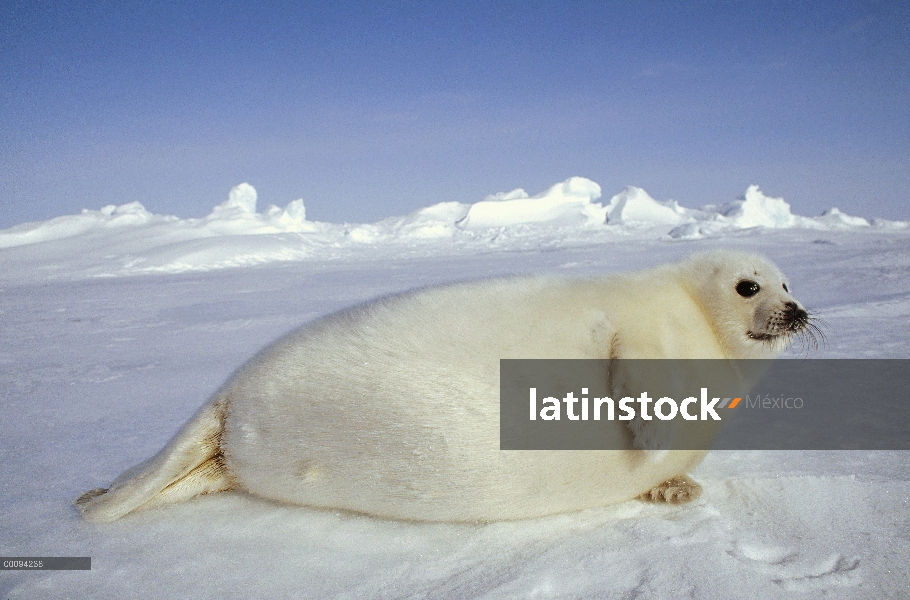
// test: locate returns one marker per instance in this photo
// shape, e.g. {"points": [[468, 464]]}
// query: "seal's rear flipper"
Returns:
{"points": [[191, 464], [675, 491]]}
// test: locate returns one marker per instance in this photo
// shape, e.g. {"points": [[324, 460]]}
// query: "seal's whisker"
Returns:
{"points": [[815, 327], [807, 329], [810, 334]]}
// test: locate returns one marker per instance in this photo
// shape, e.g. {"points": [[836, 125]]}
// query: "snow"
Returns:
{"points": [[633, 206], [116, 325], [834, 218], [126, 215], [128, 240], [568, 203], [758, 210]]}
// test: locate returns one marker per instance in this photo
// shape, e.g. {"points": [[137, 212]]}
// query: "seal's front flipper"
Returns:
{"points": [[191, 464], [674, 491]]}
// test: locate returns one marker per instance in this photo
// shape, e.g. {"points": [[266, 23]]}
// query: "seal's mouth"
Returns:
{"points": [[761, 337]]}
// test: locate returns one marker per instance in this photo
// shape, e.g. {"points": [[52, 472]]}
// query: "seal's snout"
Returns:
{"points": [[795, 318], [797, 322], [783, 323]]}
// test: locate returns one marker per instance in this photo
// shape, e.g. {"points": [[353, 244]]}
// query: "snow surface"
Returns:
{"points": [[117, 324], [128, 240]]}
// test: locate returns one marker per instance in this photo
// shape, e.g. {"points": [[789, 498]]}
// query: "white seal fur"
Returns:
{"points": [[391, 408]]}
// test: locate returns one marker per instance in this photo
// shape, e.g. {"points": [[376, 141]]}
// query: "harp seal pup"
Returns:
{"points": [[391, 408]]}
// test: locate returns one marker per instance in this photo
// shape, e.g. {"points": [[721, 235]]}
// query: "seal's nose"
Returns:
{"points": [[795, 317]]}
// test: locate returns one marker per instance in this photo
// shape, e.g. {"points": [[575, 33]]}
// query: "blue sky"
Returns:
{"points": [[372, 109]]}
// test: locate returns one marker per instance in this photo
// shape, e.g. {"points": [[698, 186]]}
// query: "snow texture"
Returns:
{"points": [[116, 325], [128, 240]]}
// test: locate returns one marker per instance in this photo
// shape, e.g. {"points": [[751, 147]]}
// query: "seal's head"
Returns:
{"points": [[749, 302]]}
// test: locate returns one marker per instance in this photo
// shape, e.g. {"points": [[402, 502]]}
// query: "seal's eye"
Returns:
{"points": [[747, 288], [786, 289]]}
